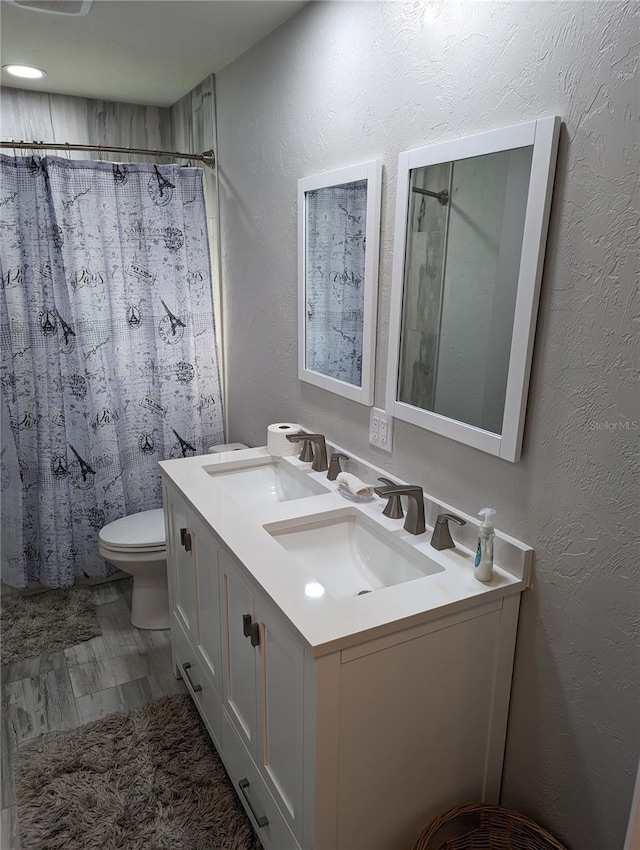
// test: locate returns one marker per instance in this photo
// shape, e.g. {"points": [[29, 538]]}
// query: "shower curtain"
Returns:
{"points": [[108, 351]]}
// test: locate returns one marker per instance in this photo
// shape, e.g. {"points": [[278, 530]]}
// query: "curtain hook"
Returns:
{"points": [[129, 154], [68, 151]]}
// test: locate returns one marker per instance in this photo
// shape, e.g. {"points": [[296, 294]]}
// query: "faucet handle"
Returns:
{"points": [[334, 465], [446, 517], [441, 537], [393, 508]]}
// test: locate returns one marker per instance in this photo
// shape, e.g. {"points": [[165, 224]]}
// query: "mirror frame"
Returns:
{"points": [[371, 172], [543, 135]]}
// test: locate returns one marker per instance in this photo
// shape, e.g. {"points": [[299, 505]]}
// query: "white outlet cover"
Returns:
{"points": [[380, 429]]}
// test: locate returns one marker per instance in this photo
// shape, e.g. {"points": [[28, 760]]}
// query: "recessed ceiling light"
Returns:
{"points": [[27, 71]]}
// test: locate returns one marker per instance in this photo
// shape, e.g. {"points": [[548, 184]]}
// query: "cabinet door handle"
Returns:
{"points": [[185, 669], [183, 536], [246, 624], [187, 541], [261, 820], [255, 634]]}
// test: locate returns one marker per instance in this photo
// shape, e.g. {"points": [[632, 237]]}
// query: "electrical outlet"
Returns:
{"points": [[380, 429]]}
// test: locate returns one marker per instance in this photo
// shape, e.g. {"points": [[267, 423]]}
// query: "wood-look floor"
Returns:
{"points": [[122, 668]]}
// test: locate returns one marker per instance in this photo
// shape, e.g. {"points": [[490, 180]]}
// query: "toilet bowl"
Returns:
{"points": [[136, 544]]}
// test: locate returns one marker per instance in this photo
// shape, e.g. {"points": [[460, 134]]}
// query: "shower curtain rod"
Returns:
{"points": [[443, 197], [207, 157]]}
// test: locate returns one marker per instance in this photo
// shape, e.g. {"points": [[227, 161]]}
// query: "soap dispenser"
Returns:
{"points": [[483, 569]]}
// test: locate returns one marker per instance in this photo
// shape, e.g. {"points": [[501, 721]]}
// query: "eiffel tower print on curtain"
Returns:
{"points": [[108, 350]]}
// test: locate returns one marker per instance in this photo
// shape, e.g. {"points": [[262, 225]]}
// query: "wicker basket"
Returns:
{"points": [[480, 827]]}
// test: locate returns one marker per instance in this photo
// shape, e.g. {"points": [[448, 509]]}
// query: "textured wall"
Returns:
{"points": [[40, 116], [341, 83]]}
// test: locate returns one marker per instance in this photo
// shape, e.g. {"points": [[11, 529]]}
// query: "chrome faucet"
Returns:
{"points": [[318, 454], [441, 537], [414, 523]]}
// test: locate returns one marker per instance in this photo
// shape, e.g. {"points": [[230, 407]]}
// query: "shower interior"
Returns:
{"points": [[465, 227]]}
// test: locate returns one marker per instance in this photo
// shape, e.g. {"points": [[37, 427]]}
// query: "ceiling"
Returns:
{"points": [[138, 51]]}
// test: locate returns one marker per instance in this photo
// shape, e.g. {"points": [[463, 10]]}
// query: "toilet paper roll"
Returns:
{"points": [[277, 443]]}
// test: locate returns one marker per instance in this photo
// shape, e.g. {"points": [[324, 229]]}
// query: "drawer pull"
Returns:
{"points": [[185, 539], [261, 820], [251, 629], [246, 624], [185, 669]]}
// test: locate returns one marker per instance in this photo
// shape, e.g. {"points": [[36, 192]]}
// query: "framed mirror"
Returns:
{"points": [[471, 226], [338, 243]]}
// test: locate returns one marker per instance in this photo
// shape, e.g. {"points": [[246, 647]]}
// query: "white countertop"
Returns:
{"points": [[327, 623]]}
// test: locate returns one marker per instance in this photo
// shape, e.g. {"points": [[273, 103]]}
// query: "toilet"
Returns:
{"points": [[136, 544]]}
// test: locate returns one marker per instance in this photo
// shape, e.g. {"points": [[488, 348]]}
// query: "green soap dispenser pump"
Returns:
{"points": [[483, 569]]}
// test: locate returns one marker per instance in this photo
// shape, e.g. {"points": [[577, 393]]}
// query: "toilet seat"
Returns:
{"points": [[142, 532]]}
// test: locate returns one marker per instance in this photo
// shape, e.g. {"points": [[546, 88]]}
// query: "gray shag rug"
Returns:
{"points": [[46, 622], [145, 779]]}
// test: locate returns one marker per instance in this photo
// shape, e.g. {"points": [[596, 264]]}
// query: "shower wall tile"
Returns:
{"points": [[122, 123], [193, 119], [193, 124], [40, 116], [193, 127]]}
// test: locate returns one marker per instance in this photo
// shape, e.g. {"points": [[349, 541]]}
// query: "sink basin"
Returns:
{"points": [[350, 555], [268, 483]]}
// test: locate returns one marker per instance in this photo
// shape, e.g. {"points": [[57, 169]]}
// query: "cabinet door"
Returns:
{"points": [[239, 667], [280, 678], [205, 554], [181, 565]]}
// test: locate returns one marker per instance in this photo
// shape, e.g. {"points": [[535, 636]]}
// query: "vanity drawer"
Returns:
{"points": [[250, 788], [197, 681]]}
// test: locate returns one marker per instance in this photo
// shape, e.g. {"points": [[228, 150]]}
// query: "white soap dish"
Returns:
{"points": [[353, 497]]}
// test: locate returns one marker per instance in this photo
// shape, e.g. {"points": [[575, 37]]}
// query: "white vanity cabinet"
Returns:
{"points": [[181, 564], [263, 684], [192, 563], [244, 669], [357, 739]]}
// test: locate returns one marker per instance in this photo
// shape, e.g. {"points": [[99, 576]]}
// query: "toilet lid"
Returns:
{"points": [[144, 530]]}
